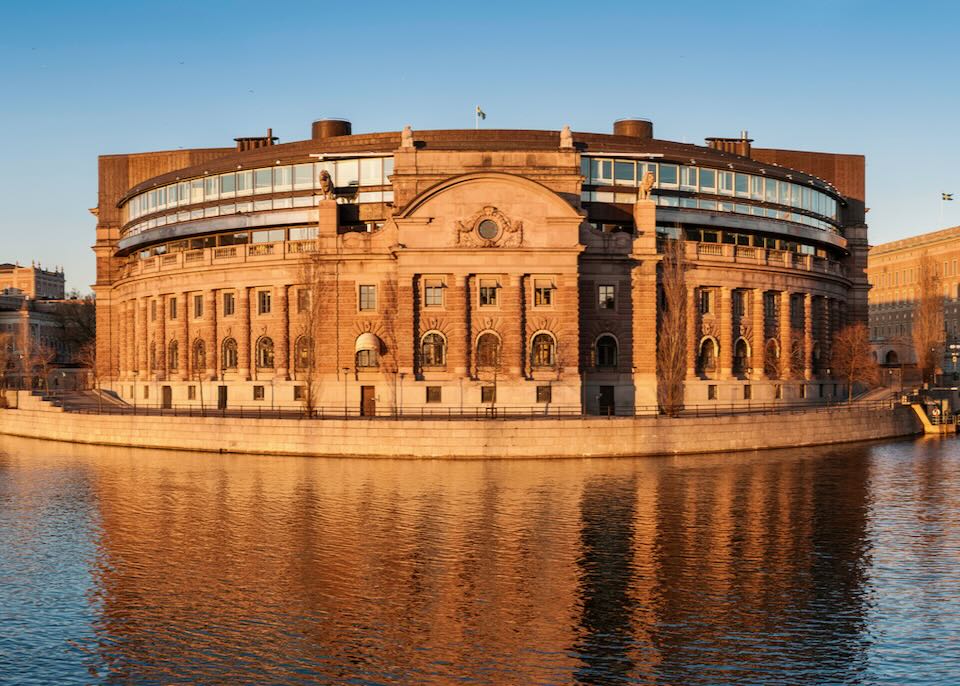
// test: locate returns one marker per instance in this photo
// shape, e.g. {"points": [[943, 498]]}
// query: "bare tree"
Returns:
{"points": [[87, 356], [312, 316], [672, 329], [6, 357], [927, 330], [852, 357], [42, 358]]}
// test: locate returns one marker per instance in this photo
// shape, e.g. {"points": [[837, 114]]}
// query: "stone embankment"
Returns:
{"points": [[462, 438]]}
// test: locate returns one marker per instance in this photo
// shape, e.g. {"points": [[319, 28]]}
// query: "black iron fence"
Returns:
{"points": [[492, 412]]}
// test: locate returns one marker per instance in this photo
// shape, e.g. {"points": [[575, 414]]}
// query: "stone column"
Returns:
{"points": [[807, 336], [784, 335], [161, 337], [143, 363], [693, 329], [243, 344], [758, 341], [210, 338], [283, 339], [725, 324], [826, 331], [186, 352]]}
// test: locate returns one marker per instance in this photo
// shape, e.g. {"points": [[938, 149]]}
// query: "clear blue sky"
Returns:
{"points": [[80, 79]]}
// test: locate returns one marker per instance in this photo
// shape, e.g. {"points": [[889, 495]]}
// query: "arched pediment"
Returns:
{"points": [[475, 182]]}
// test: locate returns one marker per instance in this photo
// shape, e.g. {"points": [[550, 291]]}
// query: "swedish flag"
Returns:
{"points": [[480, 113], [946, 196]]}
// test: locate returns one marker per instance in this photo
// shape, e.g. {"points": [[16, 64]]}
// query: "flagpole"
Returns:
{"points": [[941, 211]]}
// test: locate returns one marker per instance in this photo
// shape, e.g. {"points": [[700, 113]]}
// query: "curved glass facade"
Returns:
{"points": [[241, 187], [673, 182]]}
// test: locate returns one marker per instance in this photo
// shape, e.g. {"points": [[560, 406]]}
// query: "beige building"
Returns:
{"points": [[32, 282], [460, 271], [894, 272]]}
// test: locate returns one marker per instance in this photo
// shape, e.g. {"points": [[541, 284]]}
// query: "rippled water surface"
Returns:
{"points": [[815, 566]]}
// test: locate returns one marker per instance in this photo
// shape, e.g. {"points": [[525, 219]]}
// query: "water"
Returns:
{"points": [[815, 566]]}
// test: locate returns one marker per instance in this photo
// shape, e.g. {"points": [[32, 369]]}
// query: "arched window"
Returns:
{"points": [[488, 350], [891, 358], [229, 357], [771, 359], [707, 359], [173, 355], [606, 351], [303, 353], [543, 351], [433, 350], [265, 353], [741, 356], [199, 355], [367, 349]]}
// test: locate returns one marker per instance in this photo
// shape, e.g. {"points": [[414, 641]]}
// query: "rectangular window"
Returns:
{"points": [[258, 393], [544, 394], [210, 189], [228, 304], [756, 187], [303, 176], [263, 302], [299, 392], [282, 178], [348, 172], [747, 392], [244, 183], [803, 390], [191, 392], [706, 301], [712, 391], [371, 170], [146, 392], [606, 297], [726, 183], [196, 191], [688, 178], [433, 293], [368, 298], [303, 300], [624, 173], [488, 394], [739, 304], [708, 181], [173, 308], [197, 306], [743, 186], [434, 394], [778, 392], [601, 172], [488, 293], [228, 185], [668, 176], [542, 293], [263, 180]]}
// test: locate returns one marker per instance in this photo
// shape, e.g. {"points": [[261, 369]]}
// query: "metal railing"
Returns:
{"points": [[495, 412]]}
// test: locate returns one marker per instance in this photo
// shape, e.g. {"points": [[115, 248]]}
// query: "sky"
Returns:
{"points": [[82, 79]]}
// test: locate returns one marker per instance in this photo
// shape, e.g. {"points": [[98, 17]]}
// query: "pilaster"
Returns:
{"points": [[725, 326], [807, 336]]}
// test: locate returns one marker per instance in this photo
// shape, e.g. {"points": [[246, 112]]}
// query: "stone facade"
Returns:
{"points": [[479, 270], [894, 272]]}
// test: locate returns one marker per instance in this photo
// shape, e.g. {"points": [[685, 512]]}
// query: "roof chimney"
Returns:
{"points": [[253, 142], [633, 127], [736, 146]]}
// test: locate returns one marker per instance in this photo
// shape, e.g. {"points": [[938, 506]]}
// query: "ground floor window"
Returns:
{"points": [[433, 394], [544, 394], [299, 392], [488, 394], [258, 393]]}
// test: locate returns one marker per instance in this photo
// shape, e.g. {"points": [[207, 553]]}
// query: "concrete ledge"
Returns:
{"points": [[467, 439]]}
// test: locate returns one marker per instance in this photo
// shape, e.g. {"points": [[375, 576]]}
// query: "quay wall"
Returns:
{"points": [[568, 437]]}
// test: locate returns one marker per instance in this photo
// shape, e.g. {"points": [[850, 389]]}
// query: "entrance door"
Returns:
{"points": [[368, 401], [221, 397], [605, 401], [167, 397]]}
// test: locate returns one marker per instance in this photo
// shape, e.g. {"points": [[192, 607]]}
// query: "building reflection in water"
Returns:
{"points": [[732, 569]]}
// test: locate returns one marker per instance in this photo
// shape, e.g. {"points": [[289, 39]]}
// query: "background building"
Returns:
{"points": [[32, 282], [468, 268], [894, 273]]}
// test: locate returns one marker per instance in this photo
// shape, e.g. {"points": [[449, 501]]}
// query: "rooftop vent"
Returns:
{"points": [[633, 127], [737, 146], [331, 128], [253, 142]]}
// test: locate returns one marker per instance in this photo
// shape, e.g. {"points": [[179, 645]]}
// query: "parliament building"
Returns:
{"points": [[469, 270]]}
